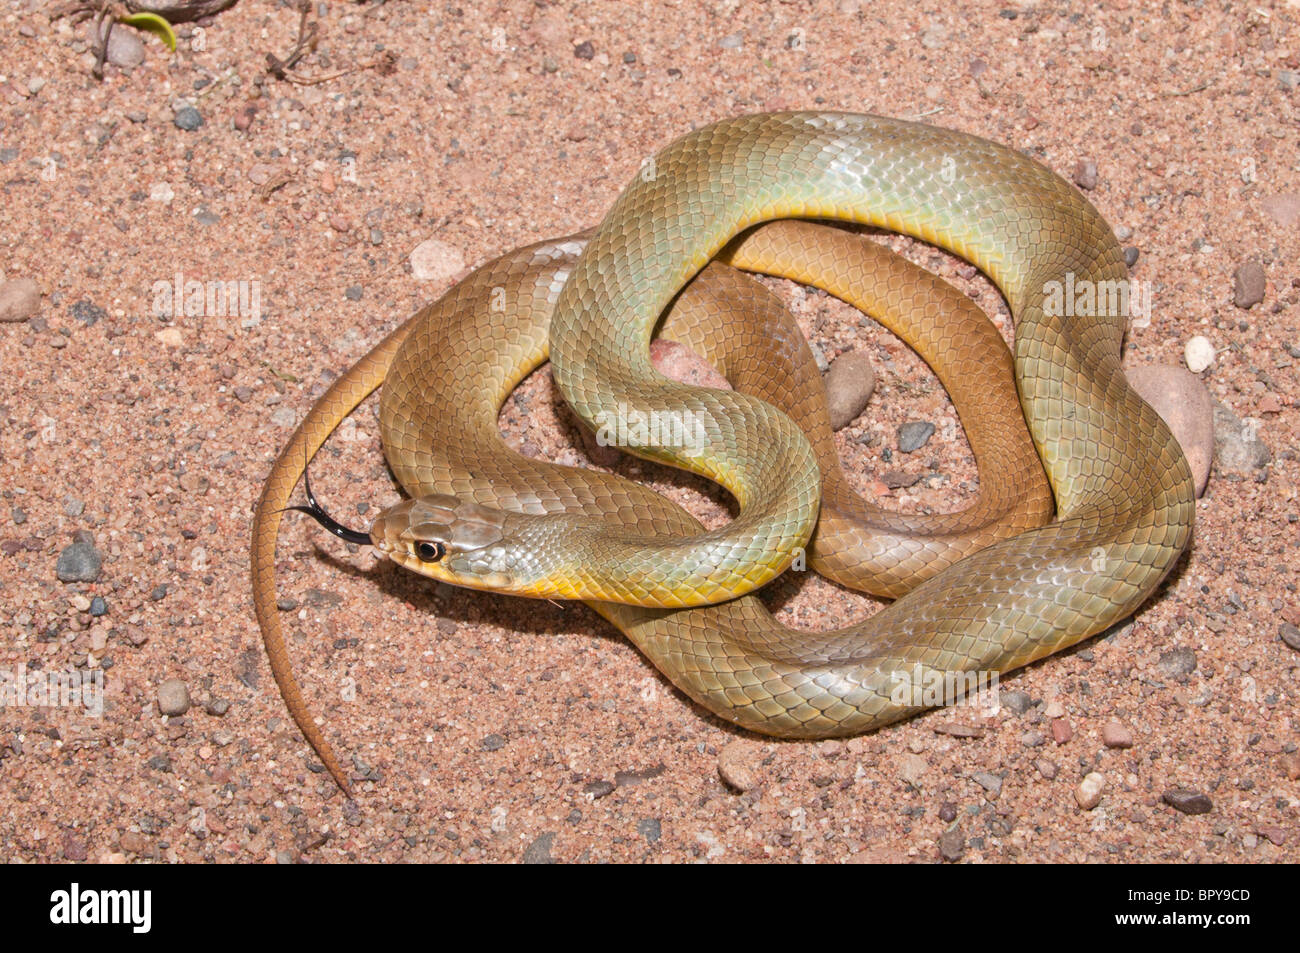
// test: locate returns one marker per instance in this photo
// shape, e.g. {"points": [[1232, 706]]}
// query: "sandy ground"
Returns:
{"points": [[492, 729]]}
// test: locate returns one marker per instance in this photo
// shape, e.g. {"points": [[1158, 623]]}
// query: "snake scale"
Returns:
{"points": [[481, 516]]}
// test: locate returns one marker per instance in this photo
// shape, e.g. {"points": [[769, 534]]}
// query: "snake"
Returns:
{"points": [[1120, 483]]}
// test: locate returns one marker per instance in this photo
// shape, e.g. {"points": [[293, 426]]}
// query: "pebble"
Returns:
{"points": [[1198, 353], [80, 602], [1062, 731], [1019, 702], [1085, 174], [584, 50], [98, 606], [849, 384], [680, 363], [651, 828], [1047, 769], [732, 41], [736, 767], [125, 48], [1188, 801], [1248, 284], [173, 697], [1237, 448], [74, 848], [1088, 793], [492, 742], [914, 435], [1131, 255], [79, 562], [952, 846], [539, 851], [434, 260], [1177, 662], [1283, 209], [1184, 403], [911, 767], [20, 299], [1116, 735], [1291, 766], [989, 782], [1290, 635], [947, 812], [188, 118], [898, 480]]}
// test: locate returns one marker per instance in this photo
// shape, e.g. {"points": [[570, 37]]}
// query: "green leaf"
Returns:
{"points": [[152, 23]]}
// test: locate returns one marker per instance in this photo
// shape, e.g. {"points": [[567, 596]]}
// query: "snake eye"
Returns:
{"points": [[430, 552]]}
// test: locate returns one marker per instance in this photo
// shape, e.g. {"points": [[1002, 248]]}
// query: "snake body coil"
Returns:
{"points": [[1122, 487]]}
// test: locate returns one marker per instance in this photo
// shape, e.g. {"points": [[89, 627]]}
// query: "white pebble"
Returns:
{"points": [[1199, 354], [1088, 793]]}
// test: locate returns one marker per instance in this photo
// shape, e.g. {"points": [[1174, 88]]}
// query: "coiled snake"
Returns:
{"points": [[480, 515]]}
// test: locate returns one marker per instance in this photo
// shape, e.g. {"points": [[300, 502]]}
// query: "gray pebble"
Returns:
{"points": [[98, 606], [650, 828], [87, 312], [1019, 702], [1290, 635], [914, 435], [353, 293], [188, 118], [492, 743], [1188, 801], [1177, 662], [18, 515], [849, 384], [80, 562], [19, 299], [1237, 448], [584, 50], [989, 782], [173, 697], [1248, 284], [1131, 256], [539, 851], [73, 507]]}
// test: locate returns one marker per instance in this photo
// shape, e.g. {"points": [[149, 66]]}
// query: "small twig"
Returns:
{"points": [[1187, 92], [308, 33]]}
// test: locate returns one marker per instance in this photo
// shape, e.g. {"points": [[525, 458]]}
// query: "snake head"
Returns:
{"points": [[448, 539]]}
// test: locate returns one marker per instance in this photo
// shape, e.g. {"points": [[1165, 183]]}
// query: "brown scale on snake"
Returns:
{"points": [[1121, 485]]}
